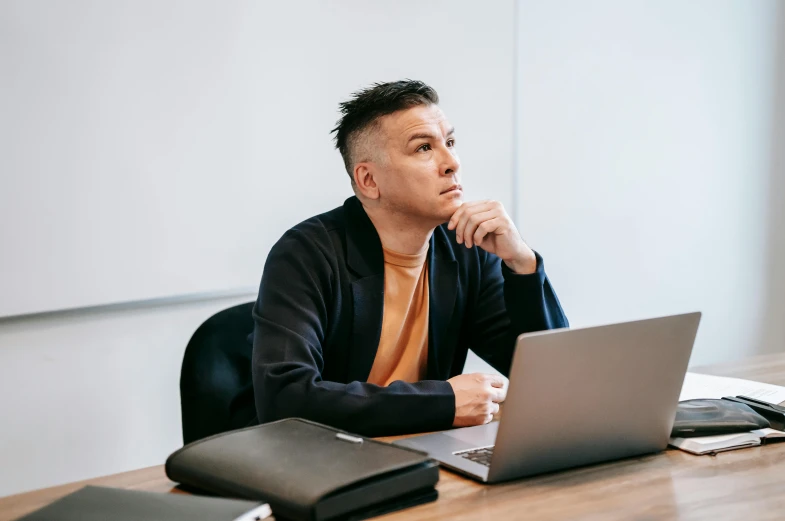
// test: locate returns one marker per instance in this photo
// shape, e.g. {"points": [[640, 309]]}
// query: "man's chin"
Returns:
{"points": [[435, 213], [448, 210]]}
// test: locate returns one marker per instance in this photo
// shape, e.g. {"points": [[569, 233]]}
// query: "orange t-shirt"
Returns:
{"points": [[403, 347]]}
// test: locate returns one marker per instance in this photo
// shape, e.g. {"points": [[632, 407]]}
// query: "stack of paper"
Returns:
{"points": [[705, 386]]}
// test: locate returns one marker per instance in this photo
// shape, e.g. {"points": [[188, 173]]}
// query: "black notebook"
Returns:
{"points": [[104, 504], [307, 471]]}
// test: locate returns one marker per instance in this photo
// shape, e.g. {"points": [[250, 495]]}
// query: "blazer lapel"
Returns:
{"points": [[365, 259], [443, 288], [368, 301]]}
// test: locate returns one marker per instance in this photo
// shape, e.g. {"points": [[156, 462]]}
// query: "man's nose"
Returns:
{"points": [[450, 163]]}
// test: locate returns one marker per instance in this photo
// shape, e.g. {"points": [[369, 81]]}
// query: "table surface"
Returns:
{"points": [[741, 484]]}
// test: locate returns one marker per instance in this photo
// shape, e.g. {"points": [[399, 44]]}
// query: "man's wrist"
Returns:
{"points": [[523, 264]]}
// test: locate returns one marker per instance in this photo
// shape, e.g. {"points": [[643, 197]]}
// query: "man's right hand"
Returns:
{"points": [[477, 397]]}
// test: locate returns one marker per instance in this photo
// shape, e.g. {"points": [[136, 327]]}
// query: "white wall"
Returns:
{"points": [[85, 394], [772, 324], [156, 139], [651, 162]]}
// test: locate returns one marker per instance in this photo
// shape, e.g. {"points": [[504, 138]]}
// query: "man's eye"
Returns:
{"points": [[424, 147], [451, 143]]}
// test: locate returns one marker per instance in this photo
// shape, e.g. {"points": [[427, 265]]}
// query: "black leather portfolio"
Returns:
{"points": [[307, 471], [712, 417], [104, 504]]}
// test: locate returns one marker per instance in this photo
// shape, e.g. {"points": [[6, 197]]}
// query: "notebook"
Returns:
{"points": [[102, 504], [712, 444]]}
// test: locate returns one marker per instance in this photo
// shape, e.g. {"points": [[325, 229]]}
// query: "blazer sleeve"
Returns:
{"points": [[507, 305], [291, 319]]}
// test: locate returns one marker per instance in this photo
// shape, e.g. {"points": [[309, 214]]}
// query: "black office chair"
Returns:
{"points": [[216, 390]]}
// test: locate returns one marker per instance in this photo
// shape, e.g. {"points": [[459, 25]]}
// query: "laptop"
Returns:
{"points": [[577, 397]]}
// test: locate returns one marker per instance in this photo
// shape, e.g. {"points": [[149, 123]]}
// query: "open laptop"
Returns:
{"points": [[577, 397]]}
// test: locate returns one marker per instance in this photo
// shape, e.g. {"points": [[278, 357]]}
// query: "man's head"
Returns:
{"points": [[399, 150]]}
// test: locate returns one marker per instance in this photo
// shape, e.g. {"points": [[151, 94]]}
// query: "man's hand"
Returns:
{"points": [[486, 224], [477, 397]]}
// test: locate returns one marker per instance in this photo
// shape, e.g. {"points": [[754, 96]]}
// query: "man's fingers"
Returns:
{"points": [[485, 228], [459, 212], [473, 222], [471, 218], [463, 219], [498, 380], [495, 394]]}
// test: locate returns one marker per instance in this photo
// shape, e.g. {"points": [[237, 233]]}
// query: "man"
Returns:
{"points": [[365, 313]]}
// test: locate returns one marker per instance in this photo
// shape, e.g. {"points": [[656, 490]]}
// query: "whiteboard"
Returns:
{"points": [[160, 148]]}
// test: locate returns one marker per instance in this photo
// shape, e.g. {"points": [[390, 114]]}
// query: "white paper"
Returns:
{"points": [[261, 512], [768, 433], [722, 442], [706, 386]]}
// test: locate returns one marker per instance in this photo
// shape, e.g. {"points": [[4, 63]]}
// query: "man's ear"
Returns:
{"points": [[365, 182]]}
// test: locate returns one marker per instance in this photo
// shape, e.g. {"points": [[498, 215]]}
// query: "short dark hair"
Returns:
{"points": [[367, 105]]}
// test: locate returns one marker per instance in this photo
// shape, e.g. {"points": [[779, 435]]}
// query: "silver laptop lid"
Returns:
{"points": [[581, 396]]}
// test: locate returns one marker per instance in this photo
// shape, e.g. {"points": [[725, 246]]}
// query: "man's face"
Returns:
{"points": [[417, 171]]}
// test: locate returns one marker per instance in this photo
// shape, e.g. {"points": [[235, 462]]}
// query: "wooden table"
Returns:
{"points": [[742, 484]]}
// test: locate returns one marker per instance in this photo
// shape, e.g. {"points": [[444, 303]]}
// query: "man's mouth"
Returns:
{"points": [[452, 189]]}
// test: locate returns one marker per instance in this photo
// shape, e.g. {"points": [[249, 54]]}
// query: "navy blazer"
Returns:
{"points": [[318, 320]]}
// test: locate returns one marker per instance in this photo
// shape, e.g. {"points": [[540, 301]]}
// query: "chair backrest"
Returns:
{"points": [[216, 389]]}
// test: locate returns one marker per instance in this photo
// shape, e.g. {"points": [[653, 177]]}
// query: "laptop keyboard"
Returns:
{"points": [[481, 455]]}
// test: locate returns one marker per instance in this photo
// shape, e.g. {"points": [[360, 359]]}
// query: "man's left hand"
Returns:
{"points": [[487, 225]]}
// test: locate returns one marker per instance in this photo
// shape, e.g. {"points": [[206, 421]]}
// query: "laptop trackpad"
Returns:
{"points": [[479, 436]]}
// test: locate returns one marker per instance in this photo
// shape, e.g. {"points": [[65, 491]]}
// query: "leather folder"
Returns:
{"points": [[774, 413], [307, 471], [711, 417]]}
